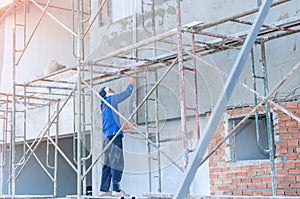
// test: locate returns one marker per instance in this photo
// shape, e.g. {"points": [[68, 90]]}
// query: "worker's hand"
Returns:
{"points": [[132, 79], [126, 127]]}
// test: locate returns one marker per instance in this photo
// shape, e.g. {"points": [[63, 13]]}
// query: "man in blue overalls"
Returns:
{"points": [[113, 158]]}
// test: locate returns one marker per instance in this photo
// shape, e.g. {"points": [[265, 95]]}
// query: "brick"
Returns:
{"points": [[290, 150], [246, 167], [257, 193], [289, 164], [217, 170], [294, 171], [241, 173], [251, 186], [216, 182], [222, 175], [289, 178], [297, 136], [295, 186], [280, 124], [257, 166], [223, 188], [284, 186], [298, 150], [237, 168], [279, 178], [281, 143], [280, 172], [261, 186], [246, 179], [285, 117], [293, 143], [256, 180], [232, 187], [265, 165], [247, 193], [267, 193], [280, 192], [292, 130], [268, 179], [212, 164], [253, 173], [286, 137], [227, 181], [236, 180], [292, 157], [283, 151], [291, 123], [216, 157], [261, 172], [242, 186], [213, 176], [281, 131], [231, 174], [268, 172], [237, 193], [246, 110], [290, 193], [297, 164]]}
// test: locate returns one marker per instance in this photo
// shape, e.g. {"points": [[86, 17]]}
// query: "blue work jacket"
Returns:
{"points": [[110, 120]]}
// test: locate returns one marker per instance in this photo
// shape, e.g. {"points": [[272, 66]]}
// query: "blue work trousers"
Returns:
{"points": [[113, 164]]}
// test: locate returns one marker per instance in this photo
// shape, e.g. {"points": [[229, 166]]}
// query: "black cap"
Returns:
{"points": [[102, 92]]}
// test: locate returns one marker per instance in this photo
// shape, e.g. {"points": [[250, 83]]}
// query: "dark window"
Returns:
{"points": [[244, 145]]}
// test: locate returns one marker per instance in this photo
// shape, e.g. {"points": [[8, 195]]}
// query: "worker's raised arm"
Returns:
{"points": [[117, 98]]}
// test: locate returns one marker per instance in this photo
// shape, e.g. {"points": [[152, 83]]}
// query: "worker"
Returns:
{"points": [[113, 158]]}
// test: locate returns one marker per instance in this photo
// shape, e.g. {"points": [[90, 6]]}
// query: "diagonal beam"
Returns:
{"points": [[55, 19], [222, 101]]}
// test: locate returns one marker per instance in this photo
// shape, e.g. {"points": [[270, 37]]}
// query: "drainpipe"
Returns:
{"points": [[257, 129]]}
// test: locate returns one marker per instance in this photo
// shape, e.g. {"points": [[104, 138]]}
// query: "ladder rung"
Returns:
{"points": [[259, 77], [190, 108], [18, 24], [188, 68]]}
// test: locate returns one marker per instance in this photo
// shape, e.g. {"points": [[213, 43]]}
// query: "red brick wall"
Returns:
{"points": [[253, 178]]}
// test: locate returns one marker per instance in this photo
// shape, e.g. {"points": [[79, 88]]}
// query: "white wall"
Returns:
{"points": [[50, 41]]}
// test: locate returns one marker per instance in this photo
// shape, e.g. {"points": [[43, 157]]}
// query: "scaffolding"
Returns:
{"points": [[54, 91]]}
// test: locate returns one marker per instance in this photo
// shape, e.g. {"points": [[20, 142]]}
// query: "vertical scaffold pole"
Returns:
{"points": [[79, 58], [13, 116], [181, 79]]}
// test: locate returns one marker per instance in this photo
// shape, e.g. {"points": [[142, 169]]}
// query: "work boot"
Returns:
{"points": [[104, 193]]}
